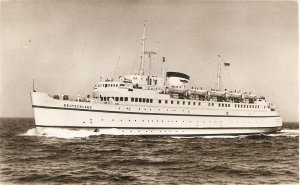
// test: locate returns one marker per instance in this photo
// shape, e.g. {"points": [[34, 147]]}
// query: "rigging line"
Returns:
{"points": [[135, 61]]}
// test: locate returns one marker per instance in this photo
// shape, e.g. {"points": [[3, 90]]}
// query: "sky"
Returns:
{"points": [[66, 46]]}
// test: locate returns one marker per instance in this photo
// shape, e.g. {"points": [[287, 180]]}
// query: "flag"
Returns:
{"points": [[226, 64]]}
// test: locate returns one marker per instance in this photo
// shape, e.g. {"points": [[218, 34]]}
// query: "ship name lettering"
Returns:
{"points": [[78, 106]]}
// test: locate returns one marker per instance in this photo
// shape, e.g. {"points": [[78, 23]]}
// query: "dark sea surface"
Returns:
{"points": [[60, 157]]}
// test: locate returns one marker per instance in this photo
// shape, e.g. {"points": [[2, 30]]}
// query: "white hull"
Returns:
{"points": [[150, 120]]}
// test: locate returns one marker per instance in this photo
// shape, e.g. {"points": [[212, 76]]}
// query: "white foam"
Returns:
{"points": [[30, 132], [59, 133], [67, 133], [209, 137], [286, 132]]}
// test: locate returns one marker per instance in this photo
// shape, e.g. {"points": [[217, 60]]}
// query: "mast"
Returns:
{"points": [[33, 89], [219, 73], [163, 74], [143, 52]]}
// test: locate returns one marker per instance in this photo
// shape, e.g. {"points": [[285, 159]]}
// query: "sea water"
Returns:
{"points": [[57, 156]]}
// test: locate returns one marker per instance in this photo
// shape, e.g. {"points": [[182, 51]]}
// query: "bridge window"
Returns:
{"points": [[136, 99], [144, 100], [194, 103], [212, 104], [166, 101], [132, 99], [121, 98], [208, 104], [147, 100], [183, 102], [159, 101], [178, 102], [151, 101], [189, 103], [140, 99], [117, 98], [171, 101], [199, 103]]}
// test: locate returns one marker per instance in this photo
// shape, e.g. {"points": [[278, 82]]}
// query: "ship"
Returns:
{"points": [[166, 104]]}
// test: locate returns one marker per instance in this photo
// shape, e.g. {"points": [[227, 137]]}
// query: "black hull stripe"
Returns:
{"points": [[204, 128], [147, 113]]}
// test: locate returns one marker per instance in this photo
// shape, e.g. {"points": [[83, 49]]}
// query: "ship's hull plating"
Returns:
{"points": [[151, 120]]}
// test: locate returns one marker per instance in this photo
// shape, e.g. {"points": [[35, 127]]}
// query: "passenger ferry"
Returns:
{"points": [[144, 104]]}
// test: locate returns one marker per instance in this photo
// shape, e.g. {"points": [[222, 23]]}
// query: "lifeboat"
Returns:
{"points": [[233, 95], [199, 92], [249, 96], [218, 94], [175, 90]]}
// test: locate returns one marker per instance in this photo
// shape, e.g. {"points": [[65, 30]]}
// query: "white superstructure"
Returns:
{"points": [[157, 105]]}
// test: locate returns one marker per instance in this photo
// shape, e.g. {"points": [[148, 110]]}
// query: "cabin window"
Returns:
{"points": [[132, 99], [189, 103], [171, 101], [101, 98], [212, 104], [117, 98], [104, 98], [225, 105], [147, 100], [166, 101], [121, 98], [105, 85], [178, 102], [194, 103], [136, 99], [183, 102], [222, 105], [140, 99], [151, 101], [144, 100], [199, 103], [159, 101], [208, 104], [126, 98], [219, 105]]}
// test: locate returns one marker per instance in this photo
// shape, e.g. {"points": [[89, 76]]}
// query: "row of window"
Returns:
{"points": [[108, 85], [211, 104], [142, 100], [149, 100]]}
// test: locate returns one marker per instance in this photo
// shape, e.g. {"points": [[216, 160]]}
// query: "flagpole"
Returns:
{"points": [[219, 73]]}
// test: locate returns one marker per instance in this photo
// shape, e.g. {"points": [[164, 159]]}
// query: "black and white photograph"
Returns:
{"points": [[149, 92]]}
